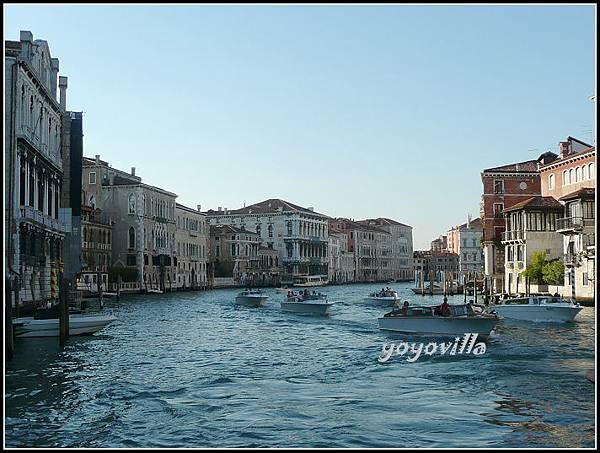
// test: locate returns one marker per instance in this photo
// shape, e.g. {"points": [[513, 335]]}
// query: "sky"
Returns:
{"points": [[358, 111]]}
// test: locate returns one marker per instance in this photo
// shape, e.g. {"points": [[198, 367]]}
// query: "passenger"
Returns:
{"points": [[556, 294], [445, 308], [405, 308]]}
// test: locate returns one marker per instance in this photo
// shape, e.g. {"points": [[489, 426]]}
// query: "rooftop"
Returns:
{"points": [[536, 203], [270, 206], [586, 192]]}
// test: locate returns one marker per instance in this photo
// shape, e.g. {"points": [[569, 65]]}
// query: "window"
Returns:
{"points": [[92, 177], [578, 174], [498, 186], [131, 238], [270, 231], [571, 176], [591, 170], [550, 182], [565, 177], [93, 202], [498, 208], [131, 203]]}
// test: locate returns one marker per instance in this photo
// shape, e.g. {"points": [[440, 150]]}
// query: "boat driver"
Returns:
{"points": [[445, 308]]}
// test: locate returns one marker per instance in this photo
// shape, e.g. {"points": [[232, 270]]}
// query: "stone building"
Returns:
{"points": [[341, 261], [298, 234], [42, 237], [466, 241], [401, 260], [96, 251], [144, 224], [530, 228], [192, 238], [440, 244], [371, 248], [435, 266], [504, 187], [234, 253]]}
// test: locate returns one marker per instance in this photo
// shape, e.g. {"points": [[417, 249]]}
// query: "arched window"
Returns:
{"points": [[93, 202], [591, 170], [564, 177], [571, 176], [586, 172], [131, 238], [578, 174], [131, 203]]}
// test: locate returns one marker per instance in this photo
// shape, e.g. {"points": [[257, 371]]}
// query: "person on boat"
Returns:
{"points": [[405, 308], [445, 308]]}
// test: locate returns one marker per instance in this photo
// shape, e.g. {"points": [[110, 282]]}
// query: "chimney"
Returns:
{"points": [[54, 66], [564, 148], [26, 38], [199, 207], [132, 171], [62, 85], [97, 159], [310, 208], [469, 221], [219, 209]]}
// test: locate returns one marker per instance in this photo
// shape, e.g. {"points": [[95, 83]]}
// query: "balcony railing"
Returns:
{"points": [[516, 235], [573, 223], [30, 213]]}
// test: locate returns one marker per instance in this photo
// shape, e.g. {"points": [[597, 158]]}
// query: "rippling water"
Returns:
{"points": [[192, 369]]}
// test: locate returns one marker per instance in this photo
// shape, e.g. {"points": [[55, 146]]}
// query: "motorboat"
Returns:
{"points": [[461, 319], [251, 298], [309, 281], [79, 324], [283, 290], [304, 303], [386, 298], [537, 309]]}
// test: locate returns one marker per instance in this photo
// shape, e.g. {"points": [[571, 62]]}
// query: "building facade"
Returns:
{"points": [[192, 239], [504, 187], [234, 253], [371, 248], [144, 249], [299, 234], [401, 260], [37, 154], [466, 241], [96, 251], [530, 228]]}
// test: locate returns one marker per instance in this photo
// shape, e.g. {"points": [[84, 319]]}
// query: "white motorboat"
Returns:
{"points": [[537, 309], [79, 324], [385, 298], [426, 320], [309, 281], [251, 298], [311, 304]]}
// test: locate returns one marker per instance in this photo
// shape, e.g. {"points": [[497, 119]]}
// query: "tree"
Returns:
{"points": [[535, 271], [554, 272]]}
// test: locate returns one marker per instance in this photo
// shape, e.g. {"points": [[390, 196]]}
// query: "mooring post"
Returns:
{"points": [[8, 327], [118, 287], [63, 309]]}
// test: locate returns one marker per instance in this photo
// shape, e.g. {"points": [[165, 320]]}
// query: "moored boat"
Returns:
{"points": [[313, 304], [461, 319], [79, 324], [537, 309], [251, 298]]}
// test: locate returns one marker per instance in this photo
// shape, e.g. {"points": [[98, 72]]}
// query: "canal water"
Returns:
{"points": [[193, 370]]}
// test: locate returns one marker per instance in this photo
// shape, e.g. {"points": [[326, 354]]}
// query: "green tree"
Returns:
{"points": [[554, 272], [534, 272]]}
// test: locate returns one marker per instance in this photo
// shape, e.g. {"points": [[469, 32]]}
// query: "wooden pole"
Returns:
{"points": [[100, 289], [8, 327], [118, 287], [475, 287], [63, 319]]}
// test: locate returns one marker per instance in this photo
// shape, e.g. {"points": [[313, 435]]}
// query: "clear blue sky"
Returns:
{"points": [[358, 111]]}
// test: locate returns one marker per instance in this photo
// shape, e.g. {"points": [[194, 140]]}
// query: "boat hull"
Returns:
{"points": [[78, 325], [438, 325], [307, 308], [537, 313], [381, 301], [251, 301]]}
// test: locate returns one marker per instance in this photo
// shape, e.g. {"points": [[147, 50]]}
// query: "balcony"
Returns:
{"points": [[516, 235], [573, 224], [572, 259], [32, 214]]}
